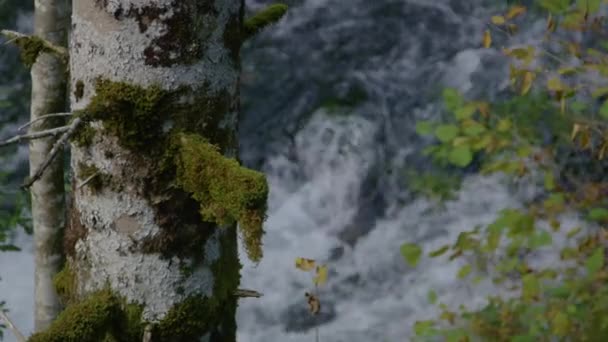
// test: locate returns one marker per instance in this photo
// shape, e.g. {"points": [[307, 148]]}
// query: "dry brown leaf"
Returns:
{"points": [[314, 305]]}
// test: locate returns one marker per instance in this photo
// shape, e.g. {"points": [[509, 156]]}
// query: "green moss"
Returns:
{"points": [[84, 135], [31, 47], [89, 320], [136, 116], [129, 322], [78, 90], [105, 317], [265, 17], [65, 285], [127, 112], [215, 315], [226, 191]]}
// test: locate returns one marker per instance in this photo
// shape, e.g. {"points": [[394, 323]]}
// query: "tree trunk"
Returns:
{"points": [[49, 82], [151, 240]]}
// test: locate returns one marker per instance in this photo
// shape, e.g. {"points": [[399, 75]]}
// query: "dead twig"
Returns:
{"points": [[36, 135], [147, 333], [42, 117], [243, 293], [54, 151], [14, 35], [90, 178], [18, 335]]}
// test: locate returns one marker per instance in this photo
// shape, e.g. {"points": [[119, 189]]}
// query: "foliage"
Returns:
{"points": [[555, 129], [320, 278]]}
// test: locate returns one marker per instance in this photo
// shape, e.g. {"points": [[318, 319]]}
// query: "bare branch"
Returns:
{"points": [[14, 35], [247, 293], [90, 178], [36, 135], [147, 333], [18, 335], [42, 117], [56, 148]]}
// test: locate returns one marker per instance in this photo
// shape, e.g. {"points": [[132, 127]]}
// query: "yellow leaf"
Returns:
{"points": [[527, 82], [504, 125], [487, 39], [498, 20], [554, 84], [321, 277], [515, 11], [568, 70], [519, 53], [512, 28], [575, 130], [305, 264]]}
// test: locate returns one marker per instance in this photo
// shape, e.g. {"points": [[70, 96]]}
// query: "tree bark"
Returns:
{"points": [[157, 194], [49, 85]]}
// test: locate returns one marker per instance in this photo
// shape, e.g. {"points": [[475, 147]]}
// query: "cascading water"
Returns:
{"points": [[331, 96]]}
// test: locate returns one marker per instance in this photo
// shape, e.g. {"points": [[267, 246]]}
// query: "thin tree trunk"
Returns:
{"points": [[49, 76], [151, 241]]}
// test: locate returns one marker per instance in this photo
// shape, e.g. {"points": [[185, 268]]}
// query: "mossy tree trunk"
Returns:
{"points": [[151, 241], [49, 82]]}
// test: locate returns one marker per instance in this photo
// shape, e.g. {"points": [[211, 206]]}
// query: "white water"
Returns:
{"points": [[389, 296]]}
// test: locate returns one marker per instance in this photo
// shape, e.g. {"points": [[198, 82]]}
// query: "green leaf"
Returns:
{"points": [[424, 328], [474, 129], [461, 156], [604, 110], [424, 127], [452, 99], [531, 286], [549, 181], [456, 335], [504, 125], [590, 6], [562, 292], [524, 338], [598, 214], [578, 106], [464, 271], [560, 324], [439, 252], [446, 133], [465, 112], [524, 151], [595, 262], [411, 252], [432, 296], [555, 6], [541, 239], [573, 232]]}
